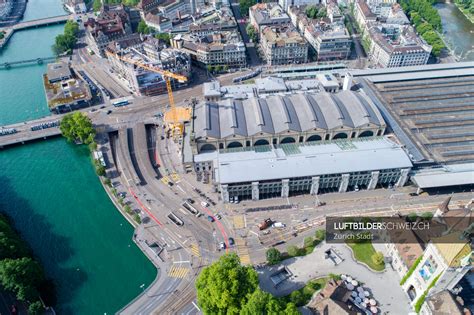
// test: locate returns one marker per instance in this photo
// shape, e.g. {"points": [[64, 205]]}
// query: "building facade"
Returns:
{"points": [[224, 49], [283, 45]]}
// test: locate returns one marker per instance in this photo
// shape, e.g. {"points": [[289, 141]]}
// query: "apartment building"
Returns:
{"points": [[331, 41], [267, 14], [225, 49], [112, 23], [283, 45]]}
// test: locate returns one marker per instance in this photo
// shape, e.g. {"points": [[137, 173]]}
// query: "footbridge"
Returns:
{"points": [[40, 60]]}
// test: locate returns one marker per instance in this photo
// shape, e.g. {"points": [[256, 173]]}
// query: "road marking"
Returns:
{"points": [[195, 250], [175, 177], [179, 187], [253, 232], [243, 251], [182, 261], [196, 306], [238, 221], [165, 180], [184, 212], [178, 272]]}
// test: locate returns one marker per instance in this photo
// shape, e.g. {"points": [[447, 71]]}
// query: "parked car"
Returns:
{"points": [[231, 241], [217, 216], [221, 245], [204, 204], [279, 225], [191, 201], [210, 218]]}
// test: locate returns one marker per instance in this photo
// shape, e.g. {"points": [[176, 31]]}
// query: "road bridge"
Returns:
{"points": [[26, 134], [32, 24]]}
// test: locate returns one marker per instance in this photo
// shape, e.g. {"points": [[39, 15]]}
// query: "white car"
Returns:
{"points": [[279, 225], [204, 204]]}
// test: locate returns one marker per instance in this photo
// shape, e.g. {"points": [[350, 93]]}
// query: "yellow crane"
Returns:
{"points": [[174, 117]]}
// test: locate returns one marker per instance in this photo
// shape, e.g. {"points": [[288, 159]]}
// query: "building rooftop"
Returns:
{"points": [[396, 38], [448, 175], [431, 116], [444, 303], [58, 71], [292, 160], [67, 91], [222, 41], [269, 13], [276, 114], [280, 36]]}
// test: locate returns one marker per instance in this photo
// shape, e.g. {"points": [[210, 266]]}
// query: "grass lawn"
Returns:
{"points": [[363, 252]]}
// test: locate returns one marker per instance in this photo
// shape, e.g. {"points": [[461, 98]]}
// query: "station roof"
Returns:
{"points": [[452, 175], [292, 160], [276, 114]]}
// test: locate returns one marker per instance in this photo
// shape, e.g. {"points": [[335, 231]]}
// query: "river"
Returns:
{"points": [[54, 197], [458, 31]]}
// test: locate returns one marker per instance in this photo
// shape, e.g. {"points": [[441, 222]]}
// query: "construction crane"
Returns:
{"points": [[174, 117]]}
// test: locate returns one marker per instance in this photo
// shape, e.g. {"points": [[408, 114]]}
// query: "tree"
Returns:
{"points": [[320, 234], [99, 168], [291, 309], [108, 182], [224, 286], [273, 256], [22, 276], [11, 246], [377, 258], [209, 68], [424, 27], [77, 126], [35, 308], [312, 12], [293, 250], [245, 6], [65, 42], [308, 241], [262, 303], [143, 28], [218, 68], [164, 37], [322, 13], [97, 5], [297, 298], [252, 33]]}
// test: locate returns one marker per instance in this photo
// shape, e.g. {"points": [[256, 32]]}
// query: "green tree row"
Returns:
{"points": [[98, 3], [64, 43], [227, 287], [467, 5], [427, 22], [19, 273], [217, 69], [245, 5]]}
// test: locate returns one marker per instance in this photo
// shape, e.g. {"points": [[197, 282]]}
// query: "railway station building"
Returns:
{"points": [[284, 145]]}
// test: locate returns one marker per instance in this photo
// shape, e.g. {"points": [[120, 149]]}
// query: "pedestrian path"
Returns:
{"points": [[243, 251], [178, 272]]}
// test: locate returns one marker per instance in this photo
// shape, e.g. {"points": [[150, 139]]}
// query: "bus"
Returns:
{"points": [[120, 103]]}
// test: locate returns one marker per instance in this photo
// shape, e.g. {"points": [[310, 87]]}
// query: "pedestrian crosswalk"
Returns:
{"points": [[175, 177], [165, 180], [239, 222], [243, 251], [178, 272], [195, 250]]}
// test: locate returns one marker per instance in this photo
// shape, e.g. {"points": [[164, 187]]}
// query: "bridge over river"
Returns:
{"points": [[32, 24], [25, 134]]}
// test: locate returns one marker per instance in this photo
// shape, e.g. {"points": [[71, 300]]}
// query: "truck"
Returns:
{"points": [[265, 224]]}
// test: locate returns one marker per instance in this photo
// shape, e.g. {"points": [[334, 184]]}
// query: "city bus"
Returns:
{"points": [[120, 103]]}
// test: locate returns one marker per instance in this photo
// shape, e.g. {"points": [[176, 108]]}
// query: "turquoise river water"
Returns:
{"points": [[54, 197]]}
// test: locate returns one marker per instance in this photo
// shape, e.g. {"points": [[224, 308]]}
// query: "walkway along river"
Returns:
{"points": [[458, 31], [55, 199]]}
